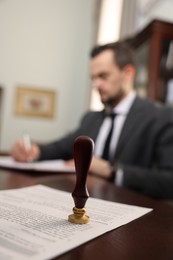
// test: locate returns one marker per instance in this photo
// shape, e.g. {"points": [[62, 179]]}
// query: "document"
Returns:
{"points": [[34, 222], [44, 166]]}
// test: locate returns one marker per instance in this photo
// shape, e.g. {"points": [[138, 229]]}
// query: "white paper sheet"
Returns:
{"points": [[34, 225], [50, 165]]}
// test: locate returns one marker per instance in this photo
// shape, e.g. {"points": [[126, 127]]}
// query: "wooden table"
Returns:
{"points": [[149, 237]]}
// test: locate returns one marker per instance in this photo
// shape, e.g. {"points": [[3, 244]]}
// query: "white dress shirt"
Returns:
{"points": [[121, 110]]}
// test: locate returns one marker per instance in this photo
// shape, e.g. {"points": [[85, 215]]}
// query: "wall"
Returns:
{"points": [[147, 10], [136, 14], [45, 43]]}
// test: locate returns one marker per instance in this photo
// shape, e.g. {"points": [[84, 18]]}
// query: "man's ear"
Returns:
{"points": [[130, 71]]}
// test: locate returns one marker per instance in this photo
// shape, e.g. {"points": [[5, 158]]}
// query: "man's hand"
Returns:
{"points": [[100, 168], [19, 152], [70, 163]]}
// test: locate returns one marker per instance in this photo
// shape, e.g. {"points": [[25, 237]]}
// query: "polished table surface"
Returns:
{"points": [[148, 237]]}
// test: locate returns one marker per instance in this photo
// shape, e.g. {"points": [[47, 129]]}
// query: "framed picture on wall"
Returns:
{"points": [[33, 101]]}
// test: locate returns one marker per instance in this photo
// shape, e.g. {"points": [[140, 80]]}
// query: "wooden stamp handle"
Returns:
{"points": [[83, 150]]}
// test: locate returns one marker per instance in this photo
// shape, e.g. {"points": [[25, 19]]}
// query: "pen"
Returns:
{"points": [[27, 142]]}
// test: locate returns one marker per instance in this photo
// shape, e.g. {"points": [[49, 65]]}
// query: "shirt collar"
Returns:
{"points": [[124, 106]]}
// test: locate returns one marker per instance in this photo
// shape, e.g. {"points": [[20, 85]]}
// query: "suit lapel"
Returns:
{"points": [[133, 119], [95, 127]]}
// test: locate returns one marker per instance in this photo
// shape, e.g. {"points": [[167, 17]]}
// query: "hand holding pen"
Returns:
{"points": [[24, 150]]}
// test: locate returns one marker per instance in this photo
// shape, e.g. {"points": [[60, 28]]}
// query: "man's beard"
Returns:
{"points": [[114, 100]]}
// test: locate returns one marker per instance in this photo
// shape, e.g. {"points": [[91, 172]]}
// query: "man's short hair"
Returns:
{"points": [[123, 53]]}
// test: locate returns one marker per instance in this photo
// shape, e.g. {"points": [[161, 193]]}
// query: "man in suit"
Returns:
{"points": [[140, 153]]}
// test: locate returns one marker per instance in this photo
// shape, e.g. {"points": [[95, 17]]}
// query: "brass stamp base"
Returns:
{"points": [[79, 216]]}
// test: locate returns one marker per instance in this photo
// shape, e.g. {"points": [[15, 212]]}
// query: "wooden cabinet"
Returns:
{"points": [[154, 54]]}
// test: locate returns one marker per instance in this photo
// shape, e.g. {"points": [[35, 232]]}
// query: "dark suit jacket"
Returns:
{"points": [[144, 150]]}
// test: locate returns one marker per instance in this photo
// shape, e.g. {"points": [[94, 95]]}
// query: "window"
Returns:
{"points": [[108, 31]]}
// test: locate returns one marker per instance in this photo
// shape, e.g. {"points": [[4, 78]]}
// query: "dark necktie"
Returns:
{"points": [[105, 154]]}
